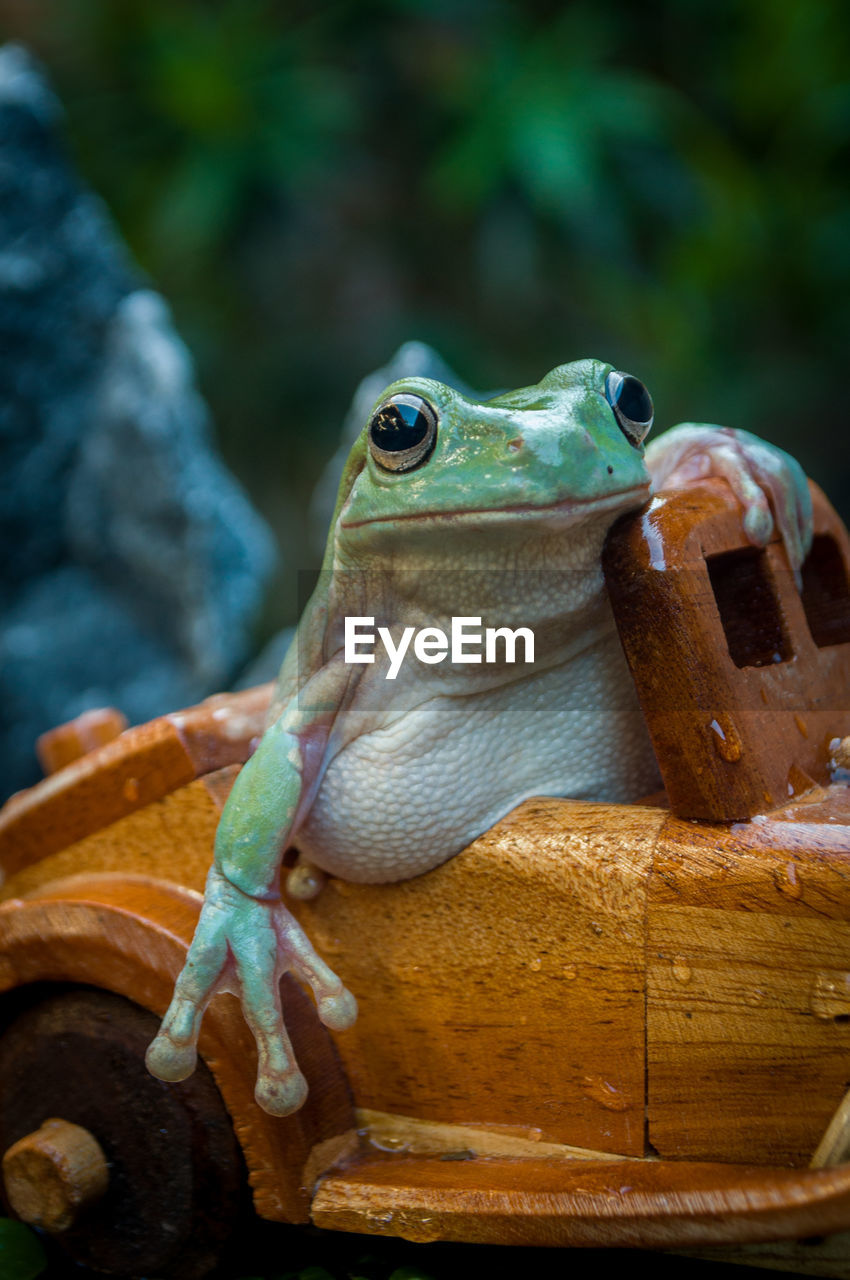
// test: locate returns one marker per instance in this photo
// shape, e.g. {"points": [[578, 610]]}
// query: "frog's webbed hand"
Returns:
{"points": [[244, 945], [246, 938], [768, 482]]}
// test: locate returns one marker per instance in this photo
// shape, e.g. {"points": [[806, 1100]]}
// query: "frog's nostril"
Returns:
{"points": [[516, 444]]}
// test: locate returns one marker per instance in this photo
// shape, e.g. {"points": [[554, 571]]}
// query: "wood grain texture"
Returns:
{"points": [[136, 769], [139, 767], [505, 988], [67, 742], [129, 935], [732, 740], [646, 1204], [169, 839], [748, 980]]}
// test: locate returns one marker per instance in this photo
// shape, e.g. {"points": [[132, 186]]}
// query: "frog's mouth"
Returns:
{"points": [[564, 510]]}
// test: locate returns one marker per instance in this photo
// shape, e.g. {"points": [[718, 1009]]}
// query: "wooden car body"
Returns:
{"points": [[599, 1024]]}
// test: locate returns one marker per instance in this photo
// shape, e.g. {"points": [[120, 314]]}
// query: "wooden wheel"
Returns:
{"points": [[176, 1182]]}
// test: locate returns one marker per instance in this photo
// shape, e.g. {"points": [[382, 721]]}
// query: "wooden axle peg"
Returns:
{"points": [[52, 1174]]}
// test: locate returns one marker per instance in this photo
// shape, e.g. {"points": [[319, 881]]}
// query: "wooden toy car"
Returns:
{"points": [[600, 1024]]}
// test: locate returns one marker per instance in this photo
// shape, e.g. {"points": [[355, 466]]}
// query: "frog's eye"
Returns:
{"points": [[632, 405], [403, 432]]}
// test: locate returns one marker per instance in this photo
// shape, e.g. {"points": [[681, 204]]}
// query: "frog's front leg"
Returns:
{"points": [[768, 482], [246, 938]]}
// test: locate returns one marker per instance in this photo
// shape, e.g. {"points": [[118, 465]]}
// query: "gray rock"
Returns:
{"points": [[133, 563], [152, 510]]}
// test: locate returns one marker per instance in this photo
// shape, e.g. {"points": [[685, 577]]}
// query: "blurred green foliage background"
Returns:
{"points": [[664, 185]]}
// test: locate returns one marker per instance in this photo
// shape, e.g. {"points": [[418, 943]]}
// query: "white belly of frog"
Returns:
{"points": [[401, 800]]}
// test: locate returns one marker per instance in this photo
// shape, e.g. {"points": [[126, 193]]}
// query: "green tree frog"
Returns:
{"points": [[492, 513]]}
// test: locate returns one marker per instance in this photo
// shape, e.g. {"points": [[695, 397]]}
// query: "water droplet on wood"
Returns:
{"points": [[726, 739], [787, 881], [829, 998]]}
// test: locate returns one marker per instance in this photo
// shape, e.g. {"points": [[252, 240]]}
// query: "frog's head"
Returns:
{"points": [[570, 446]]}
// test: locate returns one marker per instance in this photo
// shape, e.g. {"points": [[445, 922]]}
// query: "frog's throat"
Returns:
{"points": [[565, 508]]}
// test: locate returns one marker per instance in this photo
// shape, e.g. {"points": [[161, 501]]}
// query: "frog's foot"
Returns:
{"points": [[767, 482], [244, 944]]}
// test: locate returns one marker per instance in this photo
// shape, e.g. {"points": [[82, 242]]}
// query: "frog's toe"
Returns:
{"points": [[338, 1011], [758, 524], [280, 1093], [169, 1060]]}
